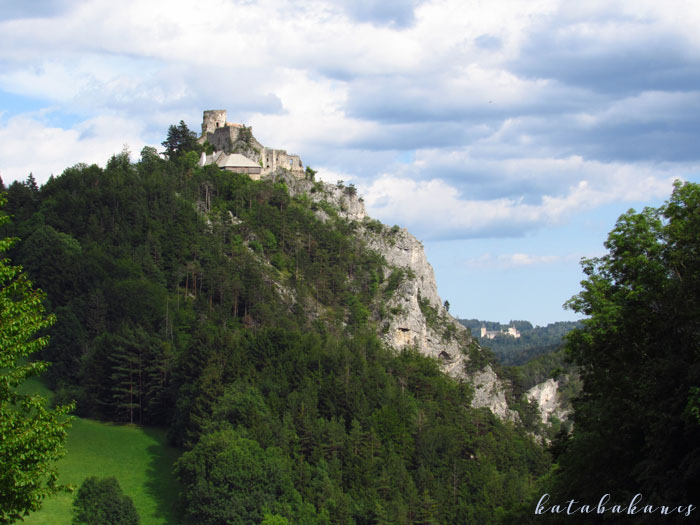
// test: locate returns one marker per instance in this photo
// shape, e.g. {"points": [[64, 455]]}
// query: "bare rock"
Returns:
{"points": [[546, 395]]}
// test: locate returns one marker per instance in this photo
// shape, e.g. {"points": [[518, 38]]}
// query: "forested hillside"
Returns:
{"points": [[533, 341], [230, 313]]}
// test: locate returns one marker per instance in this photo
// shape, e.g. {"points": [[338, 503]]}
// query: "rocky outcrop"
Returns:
{"points": [[419, 317], [489, 392], [546, 396], [414, 315], [344, 200], [421, 320]]}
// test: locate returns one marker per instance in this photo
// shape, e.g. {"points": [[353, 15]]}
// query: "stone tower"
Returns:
{"points": [[213, 119]]}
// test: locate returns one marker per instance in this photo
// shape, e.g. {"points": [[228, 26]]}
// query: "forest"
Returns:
{"points": [[534, 341], [227, 312]]}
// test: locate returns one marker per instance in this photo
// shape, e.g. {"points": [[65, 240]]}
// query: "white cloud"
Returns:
{"points": [[29, 145], [436, 209], [501, 143], [454, 118]]}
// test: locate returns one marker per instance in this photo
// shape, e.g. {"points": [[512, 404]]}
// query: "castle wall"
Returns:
{"points": [[278, 158], [223, 135], [223, 138]]}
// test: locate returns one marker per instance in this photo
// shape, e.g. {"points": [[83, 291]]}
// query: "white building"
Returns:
{"points": [[491, 334]]}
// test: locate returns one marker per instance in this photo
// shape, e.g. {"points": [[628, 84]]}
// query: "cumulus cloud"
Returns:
{"points": [[459, 119], [29, 145], [435, 209], [622, 47], [514, 115]]}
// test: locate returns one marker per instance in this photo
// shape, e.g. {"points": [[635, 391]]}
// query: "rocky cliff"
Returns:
{"points": [[413, 315], [417, 316], [420, 319]]}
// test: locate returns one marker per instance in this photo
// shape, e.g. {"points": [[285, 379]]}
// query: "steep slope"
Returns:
{"points": [[413, 314], [245, 316]]}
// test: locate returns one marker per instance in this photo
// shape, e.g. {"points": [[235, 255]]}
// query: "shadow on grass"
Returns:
{"points": [[162, 486]]}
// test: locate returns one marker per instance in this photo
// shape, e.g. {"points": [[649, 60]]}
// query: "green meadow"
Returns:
{"points": [[138, 457]]}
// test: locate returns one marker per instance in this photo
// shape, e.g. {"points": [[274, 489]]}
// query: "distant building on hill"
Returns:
{"points": [[237, 140], [512, 332], [491, 334]]}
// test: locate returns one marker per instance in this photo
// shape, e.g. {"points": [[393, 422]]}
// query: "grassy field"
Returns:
{"points": [[138, 457]]}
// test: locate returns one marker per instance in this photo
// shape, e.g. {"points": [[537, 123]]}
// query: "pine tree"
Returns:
{"points": [[180, 139]]}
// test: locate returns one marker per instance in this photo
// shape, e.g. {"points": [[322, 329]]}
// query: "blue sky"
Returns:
{"points": [[507, 135]]}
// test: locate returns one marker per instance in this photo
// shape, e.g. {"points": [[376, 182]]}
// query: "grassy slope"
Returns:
{"points": [[138, 457]]}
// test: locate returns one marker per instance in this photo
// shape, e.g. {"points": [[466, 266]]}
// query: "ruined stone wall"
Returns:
{"points": [[234, 138], [223, 138], [277, 158], [231, 139]]}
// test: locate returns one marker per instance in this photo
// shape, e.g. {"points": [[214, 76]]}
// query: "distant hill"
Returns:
{"points": [[533, 341]]}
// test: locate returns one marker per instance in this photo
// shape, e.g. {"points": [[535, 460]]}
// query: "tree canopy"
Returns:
{"points": [[636, 427], [180, 139], [31, 435], [246, 319]]}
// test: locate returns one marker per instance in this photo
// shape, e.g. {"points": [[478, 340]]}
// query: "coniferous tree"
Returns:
{"points": [[180, 139]]}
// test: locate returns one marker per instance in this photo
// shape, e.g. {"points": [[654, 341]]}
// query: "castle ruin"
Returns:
{"points": [[491, 334], [230, 141]]}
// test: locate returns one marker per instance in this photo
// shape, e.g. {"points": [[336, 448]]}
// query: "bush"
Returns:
{"points": [[102, 502]]}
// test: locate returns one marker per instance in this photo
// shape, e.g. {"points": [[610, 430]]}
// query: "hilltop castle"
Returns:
{"points": [[237, 150], [491, 334]]}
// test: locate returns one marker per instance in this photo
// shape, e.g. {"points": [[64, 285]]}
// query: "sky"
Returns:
{"points": [[508, 136]]}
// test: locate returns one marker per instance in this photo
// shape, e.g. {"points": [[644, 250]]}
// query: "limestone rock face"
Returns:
{"points": [[422, 321], [489, 392], [546, 395], [439, 335], [417, 316], [344, 200], [351, 207]]}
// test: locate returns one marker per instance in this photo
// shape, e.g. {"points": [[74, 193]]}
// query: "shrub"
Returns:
{"points": [[100, 501]]}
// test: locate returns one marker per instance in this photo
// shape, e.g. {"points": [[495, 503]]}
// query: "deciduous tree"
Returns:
{"points": [[639, 355], [31, 435]]}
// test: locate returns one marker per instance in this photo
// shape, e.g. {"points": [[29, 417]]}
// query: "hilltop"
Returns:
{"points": [[277, 332], [411, 313]]}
